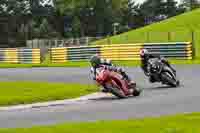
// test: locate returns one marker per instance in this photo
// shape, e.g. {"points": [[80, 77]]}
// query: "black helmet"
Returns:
{"points": [[144, 53], [95, 60]]}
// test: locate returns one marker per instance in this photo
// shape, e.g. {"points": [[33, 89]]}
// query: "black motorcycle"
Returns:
{"points": [[162, 73]]}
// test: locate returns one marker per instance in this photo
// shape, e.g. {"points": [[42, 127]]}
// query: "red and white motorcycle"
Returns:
{"points": [[114, 83]]}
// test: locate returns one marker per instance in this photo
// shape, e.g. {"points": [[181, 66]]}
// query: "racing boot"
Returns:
{"points": [[104, 89]]}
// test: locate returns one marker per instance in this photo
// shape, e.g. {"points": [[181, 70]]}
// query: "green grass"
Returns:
{"points": [[68, 64], [47, 58], [87, 64], [13, 93], [180, 28], [188, 123]]}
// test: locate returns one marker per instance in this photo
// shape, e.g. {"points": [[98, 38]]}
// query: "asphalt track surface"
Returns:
{"points": [[156, 100]]}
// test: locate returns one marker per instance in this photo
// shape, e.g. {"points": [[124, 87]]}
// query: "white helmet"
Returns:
{"points": [[144, 52]]}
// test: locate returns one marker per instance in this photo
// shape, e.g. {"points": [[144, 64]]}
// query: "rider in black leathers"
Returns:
{"points": [[145, 56]]}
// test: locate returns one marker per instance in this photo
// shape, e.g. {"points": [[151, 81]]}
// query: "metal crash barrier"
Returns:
{"points": [[178, 50], [21, 56]]}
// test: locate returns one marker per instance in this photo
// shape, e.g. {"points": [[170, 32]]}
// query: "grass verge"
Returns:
{"points": [[13, 93], [68, 64], [188, 123], [86, 64]]}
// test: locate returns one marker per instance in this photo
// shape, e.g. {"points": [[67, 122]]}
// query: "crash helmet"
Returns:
{"points": [[95, 60], [144, 53]]}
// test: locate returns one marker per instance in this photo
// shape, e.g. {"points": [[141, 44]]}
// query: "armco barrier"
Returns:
{"points": [[178, 50], [121, 51], [81, 53], [58, 55], [23, 56], [61, 55]]}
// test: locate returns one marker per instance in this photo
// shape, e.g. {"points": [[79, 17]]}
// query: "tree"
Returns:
{"points": [[153, 10], [76, 27], [132, 16], [3, 6], [42, 8], [97, 14], [190, 4], [14, 7], [156, 10], [171, 8]]}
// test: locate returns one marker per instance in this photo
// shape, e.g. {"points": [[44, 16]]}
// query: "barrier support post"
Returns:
{"points": [[169, 36], [193, 44]]}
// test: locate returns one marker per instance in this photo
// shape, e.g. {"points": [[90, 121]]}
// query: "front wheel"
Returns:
{"points": [[113, 88], [117, 92], [136, 92], [168, 79], [177, 83]]}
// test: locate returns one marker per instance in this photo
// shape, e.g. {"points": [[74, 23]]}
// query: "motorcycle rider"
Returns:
{"points": [[145, 56], [96, 62]]}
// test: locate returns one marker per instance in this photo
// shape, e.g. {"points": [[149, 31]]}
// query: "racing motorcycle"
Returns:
{"points": [[113, 82], [162, 73]]}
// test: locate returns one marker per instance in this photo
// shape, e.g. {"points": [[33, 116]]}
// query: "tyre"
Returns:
{"points": [[168, 79], [136, 92], [117, 92], [177, 83]]}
